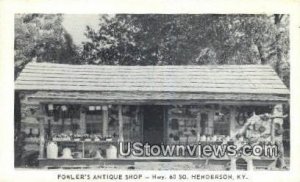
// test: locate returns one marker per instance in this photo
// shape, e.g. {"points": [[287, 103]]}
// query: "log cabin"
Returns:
{"points": [[89, 108]]}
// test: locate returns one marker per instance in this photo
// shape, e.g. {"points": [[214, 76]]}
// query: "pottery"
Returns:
{"points": [[111, 152], [98, 155], [203, 138], [67, 154], [52, 150]]}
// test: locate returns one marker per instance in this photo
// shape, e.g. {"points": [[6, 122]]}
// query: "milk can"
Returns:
{"points": [[52, 150], [111, 152]]}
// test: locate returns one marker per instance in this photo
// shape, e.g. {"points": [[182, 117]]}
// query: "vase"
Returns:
{"points": [[52, 150]]}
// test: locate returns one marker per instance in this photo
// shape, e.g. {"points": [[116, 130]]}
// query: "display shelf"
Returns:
{"points": [[93, 142]]}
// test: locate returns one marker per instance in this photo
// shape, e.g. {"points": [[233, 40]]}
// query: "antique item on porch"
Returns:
{"points": [[214, 138], [108, 139], [111, 152], [66, 153], [52, 150], [77, 155], [62, 137], [203, 138], [96, 154]]}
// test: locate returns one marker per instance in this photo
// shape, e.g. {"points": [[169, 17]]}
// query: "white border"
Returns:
{"points": [[8, 8]]}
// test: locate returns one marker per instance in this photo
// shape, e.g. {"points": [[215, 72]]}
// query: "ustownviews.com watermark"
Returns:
{"points": [[197, 150]]}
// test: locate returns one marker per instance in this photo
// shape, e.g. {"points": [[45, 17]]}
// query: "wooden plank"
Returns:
{"points": [[163, 79], [53, 65], [154, 95], [154, 84], [181, 68], [145, 72], [144, 88], [120, 116], [232, 120], [41, 138], [161, 102], [193, 77], [82, 121], [198, 121], [105, 120]]}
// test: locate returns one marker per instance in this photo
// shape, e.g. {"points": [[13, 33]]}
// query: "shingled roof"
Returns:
{"points": [[211, 79]]}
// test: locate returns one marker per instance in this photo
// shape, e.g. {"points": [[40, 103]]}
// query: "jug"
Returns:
{"points": [[52, 150], [111, 152]]}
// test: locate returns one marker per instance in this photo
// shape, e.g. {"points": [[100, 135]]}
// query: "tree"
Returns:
{"points": [[41, 37], [158, 39]]}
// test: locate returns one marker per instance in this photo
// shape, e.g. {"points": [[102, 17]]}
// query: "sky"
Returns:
{"points": [[76, 25]]}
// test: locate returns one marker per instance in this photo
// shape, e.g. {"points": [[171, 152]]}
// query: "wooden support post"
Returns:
{"points": [[141, 116], [165, 124], [198, 121], [211, 122], [277, 118], [233, 164], [232, 121], [250, 166], [105, 120], [42, 137], [120, 115], [272, 128], [82, 121]]}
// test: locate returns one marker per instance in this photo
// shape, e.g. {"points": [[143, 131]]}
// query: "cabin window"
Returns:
{"points": [[94, 122]]}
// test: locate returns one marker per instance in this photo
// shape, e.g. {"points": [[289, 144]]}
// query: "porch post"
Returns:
{"points": [[211, 121], [233, 164], [121, 137], [232, 120], [198, 126], [277, 118], [105, 120], [82, 121], [42, 137]]}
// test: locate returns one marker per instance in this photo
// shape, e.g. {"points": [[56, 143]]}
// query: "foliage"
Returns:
{"points": [[160, 39], [42, 37]]}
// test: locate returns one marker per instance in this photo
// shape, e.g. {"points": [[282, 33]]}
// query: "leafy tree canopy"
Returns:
{"points": [[161, 39], [41, 37]]}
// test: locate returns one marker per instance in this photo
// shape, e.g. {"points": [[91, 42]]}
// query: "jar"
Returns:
{"points": [[52, 150], [67, 154], [111, 152]]}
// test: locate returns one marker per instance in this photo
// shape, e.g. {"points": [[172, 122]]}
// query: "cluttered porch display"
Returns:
{"points": [[80, 132], [74, 125]]}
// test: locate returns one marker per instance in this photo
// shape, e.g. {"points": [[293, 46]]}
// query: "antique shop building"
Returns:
{"points": [[75, 115]]}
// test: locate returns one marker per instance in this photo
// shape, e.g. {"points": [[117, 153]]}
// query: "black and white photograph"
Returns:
{"points": [[152, 91], [160, 90]]}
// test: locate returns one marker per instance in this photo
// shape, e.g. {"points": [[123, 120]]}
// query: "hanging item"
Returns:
{"points": [[64, 108], [50, 107], [91, 108], [52, 150], [111, 152]]}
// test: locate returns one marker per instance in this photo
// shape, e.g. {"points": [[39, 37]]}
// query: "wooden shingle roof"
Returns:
{"points": [[242, 79]]}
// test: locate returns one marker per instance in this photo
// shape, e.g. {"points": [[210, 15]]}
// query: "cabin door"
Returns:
{"points": [[153, 126]]}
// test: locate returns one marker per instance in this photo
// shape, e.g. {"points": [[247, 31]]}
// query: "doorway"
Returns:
{"points": [[153, 126]]}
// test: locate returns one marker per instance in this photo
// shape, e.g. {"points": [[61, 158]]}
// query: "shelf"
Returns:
{"points": [[93, 142]]}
